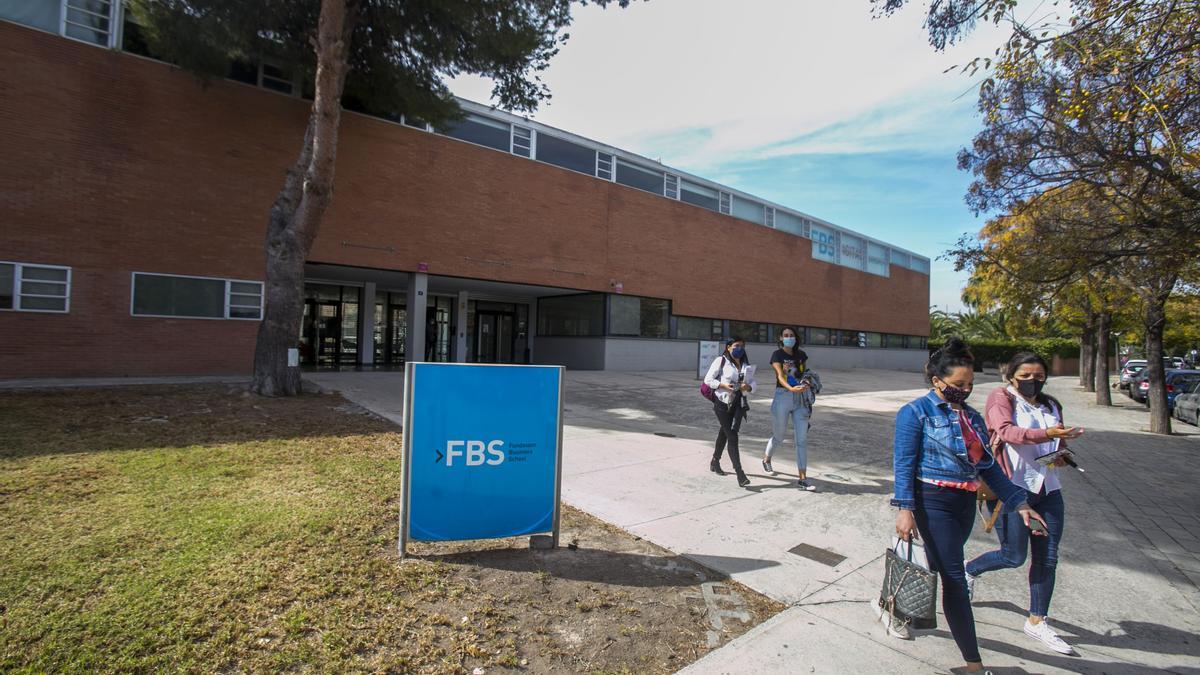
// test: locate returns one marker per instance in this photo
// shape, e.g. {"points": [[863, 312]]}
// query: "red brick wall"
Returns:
{"points": [[112, 163]]}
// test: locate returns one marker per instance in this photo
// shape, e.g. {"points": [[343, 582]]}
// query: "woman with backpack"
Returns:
{"points": [[940, 454], [1027, 424], [796, 390], [731, 379]]}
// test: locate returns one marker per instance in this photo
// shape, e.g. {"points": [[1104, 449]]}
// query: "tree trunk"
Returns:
{"points": [[1087, 362], [1155, 320], [298, 209], [1103, 392]]}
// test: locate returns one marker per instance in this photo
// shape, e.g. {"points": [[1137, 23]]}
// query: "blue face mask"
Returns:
{"points": [[737, 352], [789, 342]]}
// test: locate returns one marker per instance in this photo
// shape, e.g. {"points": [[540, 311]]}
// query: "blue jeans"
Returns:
{"points": [[787, 405], [944, 518], [1016, 542]]}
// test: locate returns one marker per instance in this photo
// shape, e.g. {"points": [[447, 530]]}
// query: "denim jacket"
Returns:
{"points": [[929, 445]]}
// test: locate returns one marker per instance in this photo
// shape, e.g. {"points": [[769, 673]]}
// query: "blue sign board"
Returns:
{"points": [[482, 451]]}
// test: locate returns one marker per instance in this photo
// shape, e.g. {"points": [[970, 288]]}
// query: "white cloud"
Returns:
{"points": [[748, 75]]}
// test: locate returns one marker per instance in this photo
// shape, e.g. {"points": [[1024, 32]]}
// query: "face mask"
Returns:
{"points": [[955, 395], [789, 342], [737, 352], [1030, 388]]}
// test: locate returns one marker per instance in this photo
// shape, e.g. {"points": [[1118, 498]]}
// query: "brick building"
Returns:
{"points": [[133, 204]]}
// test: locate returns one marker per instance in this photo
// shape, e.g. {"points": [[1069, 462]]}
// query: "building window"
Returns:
{"points": [[787, 222], [571, 315], [770, 217], [632, 316], [693, 328], [725, 199], [89, 21], [522, 141], [637, 177], [747, 210], [699, 195], [34, 288], [168, 295], [748, 331], [568, 155], [481, 130], [414, 122], [672, 187], [604, 166], [819, 336]]}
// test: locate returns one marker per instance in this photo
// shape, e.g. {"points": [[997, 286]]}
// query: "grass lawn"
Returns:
{"points": [[199, 528]]}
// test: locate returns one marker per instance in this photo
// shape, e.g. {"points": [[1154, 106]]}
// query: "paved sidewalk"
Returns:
{"points": [[636, 454]]}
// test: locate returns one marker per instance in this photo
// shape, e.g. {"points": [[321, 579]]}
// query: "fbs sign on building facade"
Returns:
{"points": [[482, 452]]}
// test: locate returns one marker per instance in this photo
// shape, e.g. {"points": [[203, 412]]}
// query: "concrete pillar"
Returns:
{"points": [[366, 325], [418, 299], [460, 322]]}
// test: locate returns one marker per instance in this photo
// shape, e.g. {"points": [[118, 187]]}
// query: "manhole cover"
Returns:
{"points": [[821, 555], [664, 434]]}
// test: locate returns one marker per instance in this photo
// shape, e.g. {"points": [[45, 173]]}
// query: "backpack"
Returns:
{"points": [[707, 391]]}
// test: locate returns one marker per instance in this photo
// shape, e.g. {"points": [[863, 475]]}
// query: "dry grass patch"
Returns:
{"points": [[199, 528]]}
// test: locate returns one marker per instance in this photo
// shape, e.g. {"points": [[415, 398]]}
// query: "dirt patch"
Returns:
{"points": [[201, 528]]}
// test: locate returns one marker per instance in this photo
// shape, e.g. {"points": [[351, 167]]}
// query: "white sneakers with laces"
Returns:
{"points": [[971, 587], [1043, 632]]}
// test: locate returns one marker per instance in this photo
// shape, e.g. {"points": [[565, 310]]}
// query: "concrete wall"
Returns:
{"points": [[113, 163], [576, 353], [651, 355]]}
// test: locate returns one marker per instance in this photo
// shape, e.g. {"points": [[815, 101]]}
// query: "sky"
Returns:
{"points": [[812, 104]]}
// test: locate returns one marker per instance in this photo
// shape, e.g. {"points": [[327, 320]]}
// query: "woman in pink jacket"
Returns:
{"points": [[1027, 424]]}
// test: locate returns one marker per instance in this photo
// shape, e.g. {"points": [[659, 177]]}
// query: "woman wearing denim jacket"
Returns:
{"points": [[940, 454]]}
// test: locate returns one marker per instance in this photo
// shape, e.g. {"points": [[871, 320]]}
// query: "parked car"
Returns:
{"points": [[1139, 385], [1179, 381], [1175, 362], [1187, 406], [1132, 367]]}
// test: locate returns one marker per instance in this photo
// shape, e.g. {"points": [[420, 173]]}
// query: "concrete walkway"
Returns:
{"points": [[636, 454]]}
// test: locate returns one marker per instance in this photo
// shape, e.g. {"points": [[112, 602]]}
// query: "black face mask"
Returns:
{"points": [[1030, 388], [954, 394]]}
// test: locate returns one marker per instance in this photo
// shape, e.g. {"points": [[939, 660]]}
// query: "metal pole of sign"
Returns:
{"points": [[558, 463], [410, 373]]}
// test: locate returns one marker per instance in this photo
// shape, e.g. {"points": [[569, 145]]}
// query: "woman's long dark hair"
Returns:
{"points": [[1029, 358], [953, 354]]}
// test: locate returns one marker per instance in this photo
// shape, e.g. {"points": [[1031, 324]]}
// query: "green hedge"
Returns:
{"points": [[1000, 351]]}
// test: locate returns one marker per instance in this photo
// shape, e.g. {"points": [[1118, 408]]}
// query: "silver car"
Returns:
{"points": [[1187, 405], [1132, 367]]}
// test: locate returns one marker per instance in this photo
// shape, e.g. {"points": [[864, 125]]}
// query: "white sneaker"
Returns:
{"points": [[895, 627], [1043, 632], [971, 587]]}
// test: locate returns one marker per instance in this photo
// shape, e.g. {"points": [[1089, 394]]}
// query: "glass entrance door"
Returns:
{"points": [[321, 331], [494, 337]]}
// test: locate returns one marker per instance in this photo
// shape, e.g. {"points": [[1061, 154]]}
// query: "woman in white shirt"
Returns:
{"points": [[1029, 425], [732, 379]]}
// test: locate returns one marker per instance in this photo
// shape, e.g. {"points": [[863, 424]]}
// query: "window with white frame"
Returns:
{"points": [[91, 21], [671, 189], [726, 203], [169, 295], [35, 288], [604, 166], [522, 141], [770, 217]]}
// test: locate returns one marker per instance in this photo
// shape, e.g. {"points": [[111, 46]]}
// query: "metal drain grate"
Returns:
{"points": [[821, 555]]}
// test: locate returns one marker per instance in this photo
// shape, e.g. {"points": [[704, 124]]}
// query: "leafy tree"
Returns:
{"points": [[384, 56], [1100, 109]]}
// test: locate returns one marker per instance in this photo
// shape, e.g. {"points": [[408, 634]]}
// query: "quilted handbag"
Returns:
{"points": [[909, 591]]}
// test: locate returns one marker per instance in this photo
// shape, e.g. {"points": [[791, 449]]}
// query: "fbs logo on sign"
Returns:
{"points": [[473, 453]]}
